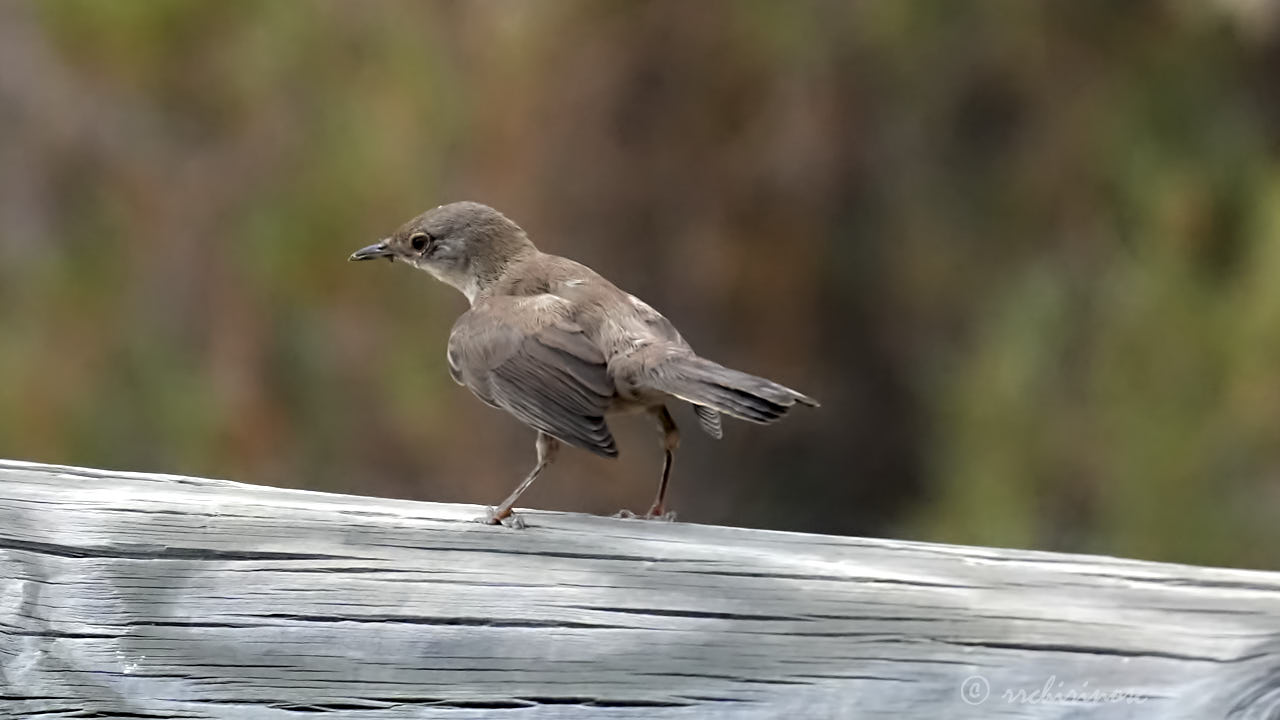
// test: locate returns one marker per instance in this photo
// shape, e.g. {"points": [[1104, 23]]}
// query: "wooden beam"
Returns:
{"points": [[157, 596]]}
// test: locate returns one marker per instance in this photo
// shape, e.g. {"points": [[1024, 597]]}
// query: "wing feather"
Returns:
{"points": [[542, 369]]}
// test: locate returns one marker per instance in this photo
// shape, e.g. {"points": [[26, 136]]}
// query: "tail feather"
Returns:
{"points": [[709, 420], [738, 394]]}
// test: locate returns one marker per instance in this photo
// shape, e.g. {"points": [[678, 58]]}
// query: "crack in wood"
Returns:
{"points": [[694, 614], [1086, 649], [491, 622], [143, 552]]}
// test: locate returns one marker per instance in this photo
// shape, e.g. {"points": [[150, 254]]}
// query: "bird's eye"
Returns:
{"points": [[419, 241]]}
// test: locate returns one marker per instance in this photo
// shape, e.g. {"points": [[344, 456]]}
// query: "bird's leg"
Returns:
{"points": [[670, 441], [547, 447]]}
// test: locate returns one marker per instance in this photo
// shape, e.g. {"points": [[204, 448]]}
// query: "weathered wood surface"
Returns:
{"points": [[134, 595]]}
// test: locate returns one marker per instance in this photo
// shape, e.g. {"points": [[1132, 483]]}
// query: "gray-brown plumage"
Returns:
{"points": [[556, 345]]}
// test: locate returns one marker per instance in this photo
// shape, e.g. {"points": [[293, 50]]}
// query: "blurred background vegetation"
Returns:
{"points": [[1026, 253]]}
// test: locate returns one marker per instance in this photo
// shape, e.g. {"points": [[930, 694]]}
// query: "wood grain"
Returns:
{"points": [[155, 596]]}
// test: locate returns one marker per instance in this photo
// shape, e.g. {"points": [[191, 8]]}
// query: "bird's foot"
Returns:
{"points": [[659, 511], [510, 519], [653, 514]]}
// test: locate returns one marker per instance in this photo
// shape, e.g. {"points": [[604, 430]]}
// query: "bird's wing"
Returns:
{"points": [[658, 325], [522, 355]]}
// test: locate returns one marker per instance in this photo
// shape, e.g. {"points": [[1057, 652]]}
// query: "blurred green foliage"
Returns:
{"points": [[1028, 254]]}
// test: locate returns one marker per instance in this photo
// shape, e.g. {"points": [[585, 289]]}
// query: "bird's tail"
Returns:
{"points": [[737, 394]]}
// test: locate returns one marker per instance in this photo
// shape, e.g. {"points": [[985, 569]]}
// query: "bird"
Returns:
{"points": [[561, 348]]}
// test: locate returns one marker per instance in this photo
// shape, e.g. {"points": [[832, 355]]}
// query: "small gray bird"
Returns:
{"points": [[558, 346]]}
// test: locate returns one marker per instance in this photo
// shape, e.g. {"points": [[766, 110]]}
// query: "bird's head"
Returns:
{"points": [[465, 244]]}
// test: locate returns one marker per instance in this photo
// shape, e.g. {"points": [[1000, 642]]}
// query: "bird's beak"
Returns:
{"points": [[372, 252]]}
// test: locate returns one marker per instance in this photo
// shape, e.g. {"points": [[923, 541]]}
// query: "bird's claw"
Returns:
{"points": [[668, 516], [510, 520]]}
